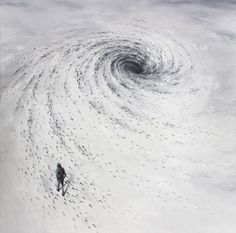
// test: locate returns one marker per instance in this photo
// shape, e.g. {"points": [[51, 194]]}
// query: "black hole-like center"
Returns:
{"points": [[133, 67]]}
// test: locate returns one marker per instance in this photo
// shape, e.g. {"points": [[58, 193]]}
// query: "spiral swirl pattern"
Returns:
{"points": [[72, 94], [109, 69]]}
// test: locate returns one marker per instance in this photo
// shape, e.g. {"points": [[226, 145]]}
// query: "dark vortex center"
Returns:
{"points": [[133, 67]]}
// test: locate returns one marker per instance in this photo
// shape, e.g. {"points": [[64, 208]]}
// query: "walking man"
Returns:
{"points": [[61, 174]]}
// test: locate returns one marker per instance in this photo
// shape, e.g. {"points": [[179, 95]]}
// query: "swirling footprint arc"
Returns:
{"points": [[81, 80]]}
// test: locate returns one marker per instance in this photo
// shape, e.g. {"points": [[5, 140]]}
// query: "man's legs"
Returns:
{"points": [[62, 187], [58, 185]]}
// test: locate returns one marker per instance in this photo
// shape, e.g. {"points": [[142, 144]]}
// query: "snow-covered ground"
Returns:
{"points": [[136, 100]]}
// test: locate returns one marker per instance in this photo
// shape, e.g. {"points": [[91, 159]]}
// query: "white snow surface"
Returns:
{"points": [[136, 100]]}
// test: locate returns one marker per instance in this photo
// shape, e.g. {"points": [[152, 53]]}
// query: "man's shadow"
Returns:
{"points": [[65, 186]]}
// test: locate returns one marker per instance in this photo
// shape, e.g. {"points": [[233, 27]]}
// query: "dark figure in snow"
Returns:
{"points": [[61, 174]]}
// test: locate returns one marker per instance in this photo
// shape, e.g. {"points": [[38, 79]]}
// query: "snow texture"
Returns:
{"points": [[136, 100]]}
